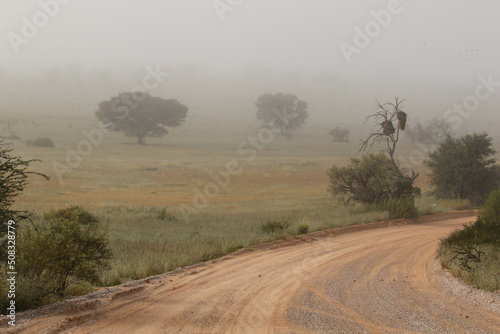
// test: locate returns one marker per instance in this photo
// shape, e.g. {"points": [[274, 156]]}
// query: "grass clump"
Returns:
{"points": [[400, 207], [303, 228], [40, 142], [473, 252], [164, 215], [273, 226], [395, 207]]}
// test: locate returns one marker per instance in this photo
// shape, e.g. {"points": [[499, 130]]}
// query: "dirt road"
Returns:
{"points": [[372, 281]]}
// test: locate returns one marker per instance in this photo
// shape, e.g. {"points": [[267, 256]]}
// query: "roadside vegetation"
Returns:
{"points": [[62, 253], [377, 180], [473, 253]]}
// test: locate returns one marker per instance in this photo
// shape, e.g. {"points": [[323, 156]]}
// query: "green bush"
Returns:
{"points": [[272, 226], [81, 216], [490, 213], [400, 207], [368, 180], [40, 142], [67, 247]]}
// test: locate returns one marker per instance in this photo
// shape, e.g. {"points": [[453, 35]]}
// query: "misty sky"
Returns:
{"points": [[430, 39]]}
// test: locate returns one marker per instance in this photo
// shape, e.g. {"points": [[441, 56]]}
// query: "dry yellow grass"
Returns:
{"points": [[132, 188]]}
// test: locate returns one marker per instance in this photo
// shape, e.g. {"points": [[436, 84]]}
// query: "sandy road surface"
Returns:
{"points": [[371, 281]]}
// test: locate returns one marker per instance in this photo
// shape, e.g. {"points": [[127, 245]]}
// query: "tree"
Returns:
{"points": [[13, 179], [140, 115], [9, 124], [378, 179], [464, 168], [284, 112], [371, 179], [383, 130], [433, 132], [340, 134]]}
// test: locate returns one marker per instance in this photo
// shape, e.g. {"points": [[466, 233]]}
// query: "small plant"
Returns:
{"points": [[303, 228], [164, 215], [272, 226], [40, 142]]}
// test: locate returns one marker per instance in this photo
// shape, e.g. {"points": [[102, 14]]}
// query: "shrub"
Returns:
{"points": [[40, 142], [303, 228], [464, 168], [490, 212], [272, 226], [340, 134], [403, 207], [70, 244], [81, 216], [368, 180]]}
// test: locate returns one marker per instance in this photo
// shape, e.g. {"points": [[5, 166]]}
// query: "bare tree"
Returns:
{"points": [[9, 124], [385, 117]]}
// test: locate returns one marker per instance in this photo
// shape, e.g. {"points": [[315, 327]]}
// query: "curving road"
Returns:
{"points": [[376, 280]]}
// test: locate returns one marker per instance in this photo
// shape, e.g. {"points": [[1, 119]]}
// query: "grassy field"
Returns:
{"points": [[137, 190]]}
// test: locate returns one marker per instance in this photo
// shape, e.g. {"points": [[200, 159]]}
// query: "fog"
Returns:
{"points": [[339, 56]]}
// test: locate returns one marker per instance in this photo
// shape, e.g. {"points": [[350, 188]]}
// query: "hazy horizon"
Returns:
{"points": [[430, 53]]}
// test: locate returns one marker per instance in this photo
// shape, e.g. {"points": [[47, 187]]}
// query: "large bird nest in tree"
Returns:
{"points": [[383, 130], [401, 116], [387, 128]]}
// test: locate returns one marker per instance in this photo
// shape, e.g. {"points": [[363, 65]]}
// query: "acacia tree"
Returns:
{"points": [[141, 115], [13, 179], [464, 168], [384, 131], [378, 179], [284, 112]]}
